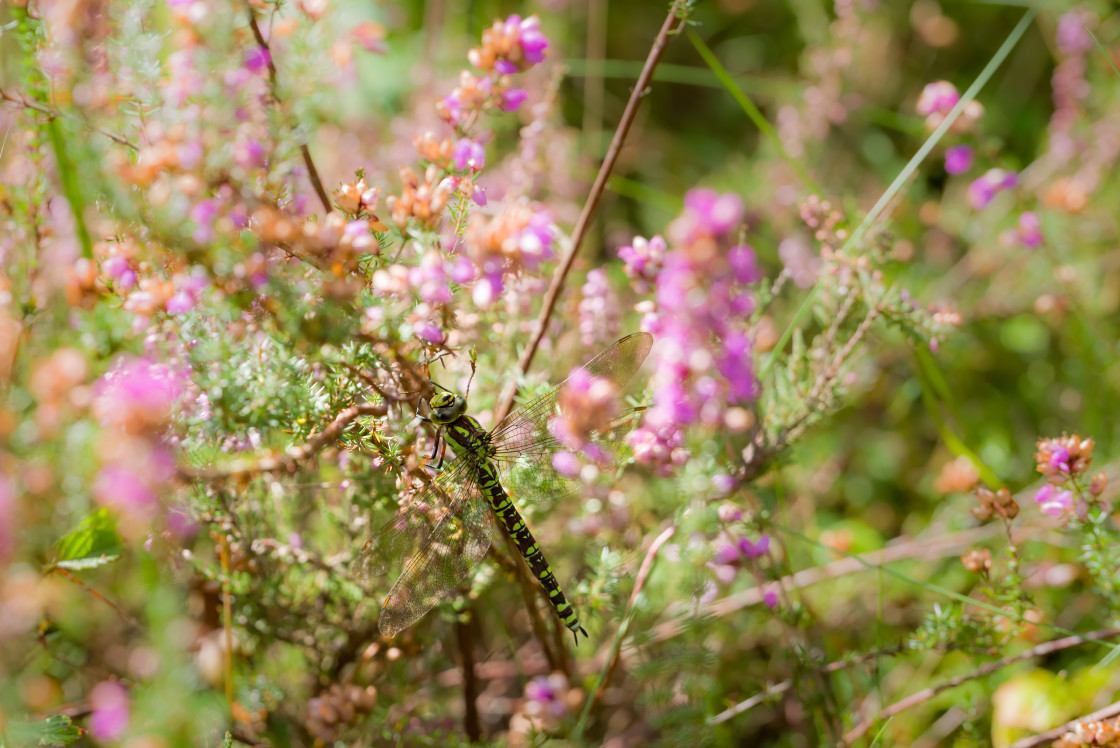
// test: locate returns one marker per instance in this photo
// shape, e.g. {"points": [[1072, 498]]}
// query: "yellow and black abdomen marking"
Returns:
{"points": [[468, 437]]}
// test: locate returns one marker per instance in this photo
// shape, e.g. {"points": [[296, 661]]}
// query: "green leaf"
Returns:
{"points": [[93, 543], [55, 730]]}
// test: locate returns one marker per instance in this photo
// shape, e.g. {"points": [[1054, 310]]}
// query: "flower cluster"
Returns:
{"points": [[598, 309], [587, 405], [938, 99], [985, 187], [135, 403], [1065, 462], [993, 503], [702, 301], [508, 47], [517, 239]]}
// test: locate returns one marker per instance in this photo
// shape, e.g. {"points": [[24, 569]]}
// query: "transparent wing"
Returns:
{"points": [[523, 445], [443, 536]]}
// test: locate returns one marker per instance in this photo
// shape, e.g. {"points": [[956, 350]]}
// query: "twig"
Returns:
{"points": [[464, 635], [928, 693], [124, 614], [641, 88], [227, 615], [1034, 741], [27, 103], [292, 456], [312, 172]]}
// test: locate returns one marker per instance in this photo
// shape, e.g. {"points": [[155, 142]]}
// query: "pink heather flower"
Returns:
{"points": [[180, 303], [469, 154], [753, 550], [546, 692], [1030, 231], [428, 332], [958, 159], [598, 309], [136, 396], [984, 188], [566, 463], [939, 97], [727, 555], [533, 42], [1054, 503], [711, 213], [109, 719], [642, 261], [121, 488], [1072, 37], [800, 261], [257, 60], [513, 99], [8, 530], [479, 196]]}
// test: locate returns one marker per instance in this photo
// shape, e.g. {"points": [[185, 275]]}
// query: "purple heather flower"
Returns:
{"points": [[462, 270], [8, 527], [257, 60], [122, 488], [469, 154], [958, 159], [642, 261], [109, 701], [513, 99], [753, 550], [1054, 503], [430, 333], [546, 692], [984, 188], [1072, 37], [180, 303], [479, 196], [533, 42], [566, 463], [727, 554], [1030, 231], [939, 96]]}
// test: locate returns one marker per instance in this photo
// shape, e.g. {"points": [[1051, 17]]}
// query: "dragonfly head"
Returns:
{"points": [[446, 406]]}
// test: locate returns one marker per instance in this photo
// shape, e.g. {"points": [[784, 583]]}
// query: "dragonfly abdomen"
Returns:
{"points": [[515, 527]]}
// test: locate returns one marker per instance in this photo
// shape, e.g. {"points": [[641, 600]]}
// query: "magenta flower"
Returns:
{"points": [[109, 719], [984, 188], [8, 528], [257, 60], [938, 97], [958, 159], [753, 550], [469, 155], [122, 488], [513, 99], [1054, 503], [137, 395], [1030, 230], [546, 692], [566, 463], [533, 42]]}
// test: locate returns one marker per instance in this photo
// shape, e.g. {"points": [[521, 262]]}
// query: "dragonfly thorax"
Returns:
{"points": [[446, 407]]}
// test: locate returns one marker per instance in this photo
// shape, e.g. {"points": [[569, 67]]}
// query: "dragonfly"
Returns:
{"points": [[445, 531]]}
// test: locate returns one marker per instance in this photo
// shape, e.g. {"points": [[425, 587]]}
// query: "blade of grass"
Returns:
{"points": [[751, 110]]}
